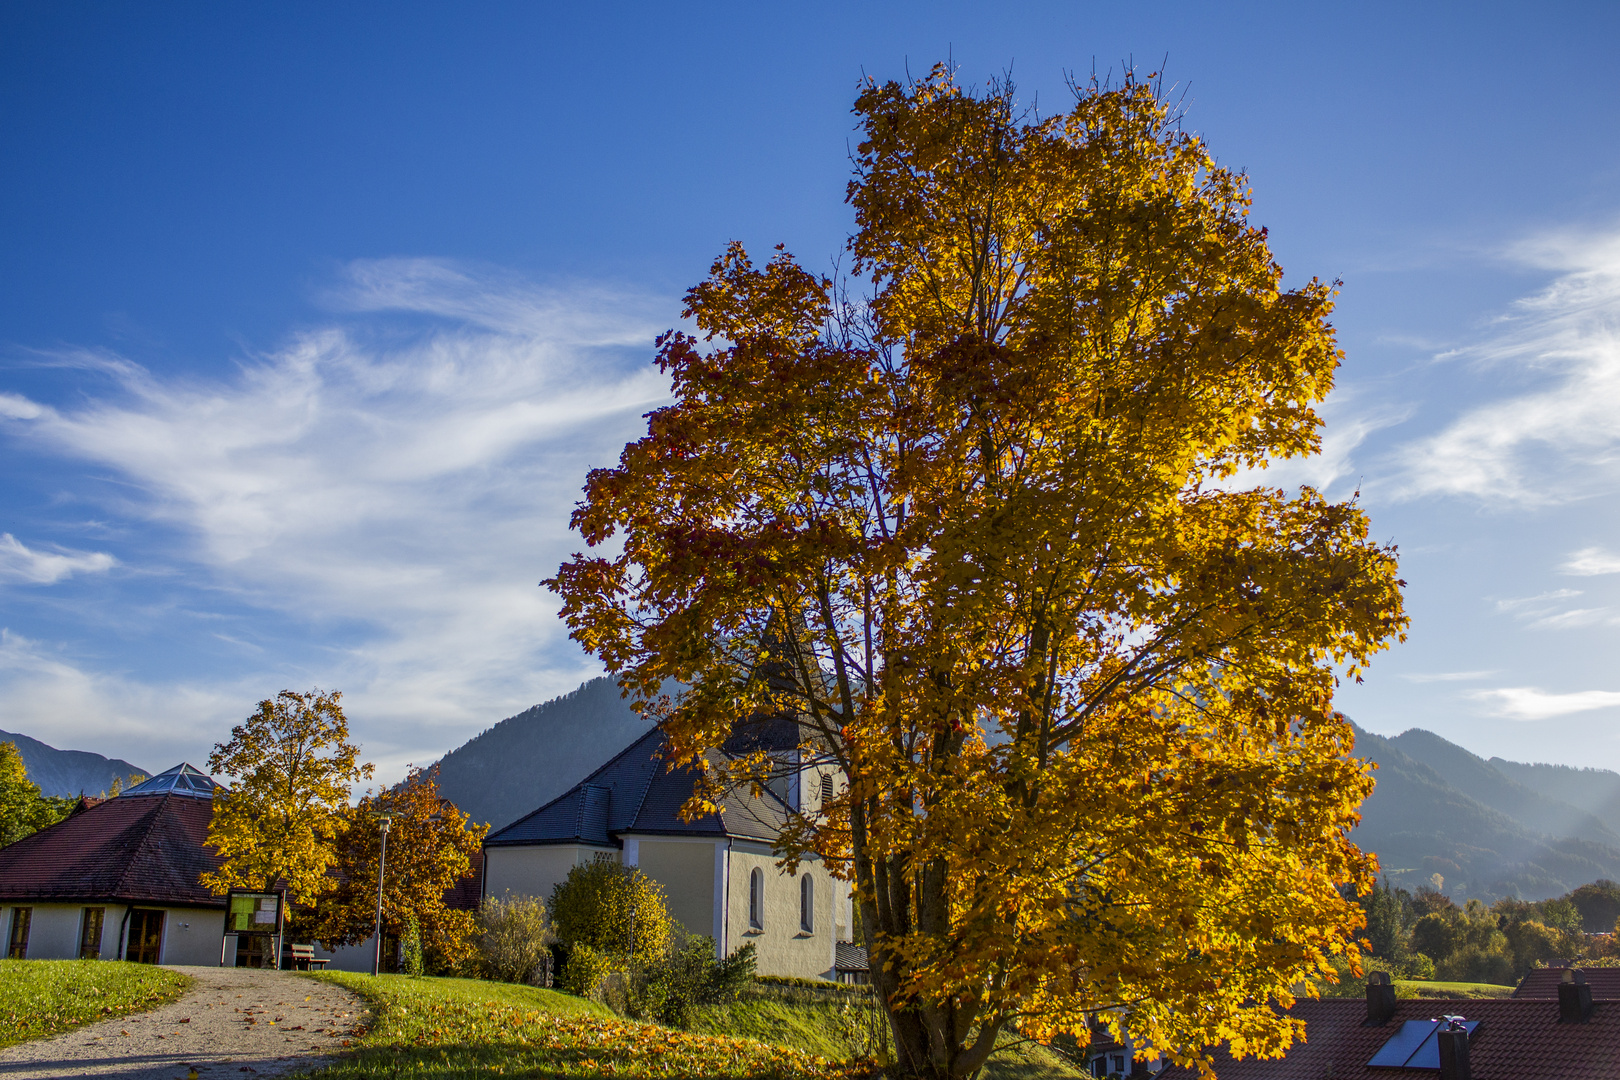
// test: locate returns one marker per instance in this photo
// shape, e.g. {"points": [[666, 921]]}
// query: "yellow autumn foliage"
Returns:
{"points": [[994, 536]]}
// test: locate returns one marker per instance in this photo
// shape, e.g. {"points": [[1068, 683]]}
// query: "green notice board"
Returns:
{"points": [[253, 913]]}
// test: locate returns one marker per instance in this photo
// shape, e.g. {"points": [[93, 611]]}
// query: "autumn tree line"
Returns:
{"points": [[287, 821], [1426, 935]]}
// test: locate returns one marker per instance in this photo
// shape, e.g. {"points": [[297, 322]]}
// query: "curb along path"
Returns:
{"points": [[234, 1022]]}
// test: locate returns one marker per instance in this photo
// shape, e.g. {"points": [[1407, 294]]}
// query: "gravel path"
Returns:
{"points": [[235, 1022]]}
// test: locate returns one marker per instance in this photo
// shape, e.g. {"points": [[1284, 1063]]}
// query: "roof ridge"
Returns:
{"points": [[147, 824], [641, 802]]}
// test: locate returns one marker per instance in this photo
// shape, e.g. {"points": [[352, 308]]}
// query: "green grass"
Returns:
{"points": [[1413, 988], [44, 997], [834, 1029], [457, 1029], [1420, 988]]}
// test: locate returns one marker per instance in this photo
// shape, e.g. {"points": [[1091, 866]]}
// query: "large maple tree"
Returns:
{"points": [[998, 526]]}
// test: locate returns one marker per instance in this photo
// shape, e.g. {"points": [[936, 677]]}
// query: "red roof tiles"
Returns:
{"points": [[142, 849], [1542, 984], [1518, 1039]]}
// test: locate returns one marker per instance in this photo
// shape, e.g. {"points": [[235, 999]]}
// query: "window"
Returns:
{"points": [[807, 904], [90, 933], [20, 918], [826, 788], [603, 856], [756, 899]]}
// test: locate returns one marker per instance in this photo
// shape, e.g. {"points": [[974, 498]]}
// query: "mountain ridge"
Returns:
{"points": [[67, 773]]}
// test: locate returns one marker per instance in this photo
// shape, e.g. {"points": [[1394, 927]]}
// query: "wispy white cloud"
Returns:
{"points": [[1590, 562], [412, 488], [1560, 440], [1547, 611], [1348, 421], [152, 725], [19, 563], [1528, 703], [1536, 603], [1447, 676]]}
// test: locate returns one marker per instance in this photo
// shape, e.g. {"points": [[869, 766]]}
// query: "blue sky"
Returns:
{"points": [[313, 316]]}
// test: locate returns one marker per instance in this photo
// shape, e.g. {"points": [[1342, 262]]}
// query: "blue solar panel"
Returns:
{"points": [[1428, 1054], [1415, 1046], [1403, 1044]]}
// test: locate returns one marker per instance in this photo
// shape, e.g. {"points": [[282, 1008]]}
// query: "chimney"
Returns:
{"points": [[1453, 1039], [1380, 997], [1574, 998]]}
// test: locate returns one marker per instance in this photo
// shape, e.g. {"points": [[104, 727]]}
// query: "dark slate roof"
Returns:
{"points": [[1542, 984], [1518, 1039], [183, 779], [847, 957], [141, 849], [636, 792]]}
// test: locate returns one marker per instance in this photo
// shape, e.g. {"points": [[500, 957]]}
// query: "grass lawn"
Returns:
{"points": [[44, 997], [448, 1029], [833, 1029], [1413, 988]]}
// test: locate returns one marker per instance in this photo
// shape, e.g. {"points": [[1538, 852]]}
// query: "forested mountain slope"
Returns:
{"points": [[1438, 809], [527, 760], [66, 773], [1596, 791]]}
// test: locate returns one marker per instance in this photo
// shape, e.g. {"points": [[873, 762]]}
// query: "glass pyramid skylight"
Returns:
{"points": [[183, 779]]}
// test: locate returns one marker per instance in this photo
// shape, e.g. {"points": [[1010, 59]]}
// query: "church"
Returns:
{"points": [[718, 871]]}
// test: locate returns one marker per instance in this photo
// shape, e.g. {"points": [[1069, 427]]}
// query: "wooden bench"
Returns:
{"points": [[304, 958]]}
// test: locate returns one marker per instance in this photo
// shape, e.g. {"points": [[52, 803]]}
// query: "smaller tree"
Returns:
{"points": [[1598, 904], [23, 810], [513, 938], [294, 768], [614, 910], [431, 846]]}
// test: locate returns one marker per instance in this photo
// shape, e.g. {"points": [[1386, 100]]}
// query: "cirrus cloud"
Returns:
{"points": [[1529, 703], [1560, 439], [380, 497]]}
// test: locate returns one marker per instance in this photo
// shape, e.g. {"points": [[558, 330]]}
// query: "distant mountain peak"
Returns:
{"points": [[67, 773]]}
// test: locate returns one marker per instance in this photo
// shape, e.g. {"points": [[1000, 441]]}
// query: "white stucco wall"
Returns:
{"points": [[190, 935], [534, 871], [782, 948], [685, 868]]}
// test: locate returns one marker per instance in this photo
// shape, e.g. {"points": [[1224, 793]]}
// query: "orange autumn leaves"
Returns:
{"points": [[971, 533]]}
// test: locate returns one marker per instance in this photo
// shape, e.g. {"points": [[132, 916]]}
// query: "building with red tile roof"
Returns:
{"points": [[1569, 1036], [1542, 984], [120, 878]]}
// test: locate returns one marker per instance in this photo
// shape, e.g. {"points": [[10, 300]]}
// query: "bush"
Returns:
{"points": [[513, 939], [670, 988], [614, 909], [410, 961], [590, 974]]}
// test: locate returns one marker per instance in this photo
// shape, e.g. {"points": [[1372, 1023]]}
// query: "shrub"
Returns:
{"points": [[614, 909], [590, 974], [1475, 963], [670, 988], [513, 938], [410, 961]]}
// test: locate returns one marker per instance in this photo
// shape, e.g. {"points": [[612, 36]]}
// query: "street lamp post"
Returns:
{"points": [[384, 820]]}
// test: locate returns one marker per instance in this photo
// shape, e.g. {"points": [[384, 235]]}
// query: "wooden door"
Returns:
{"points": [[145, 936]]}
